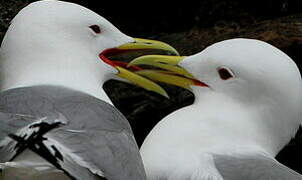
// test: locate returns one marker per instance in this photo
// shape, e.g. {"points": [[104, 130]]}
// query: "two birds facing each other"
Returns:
{"points": [[57, 122]]}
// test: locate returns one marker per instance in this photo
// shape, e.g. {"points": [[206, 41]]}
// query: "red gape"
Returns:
{"points": [[199, 83], [124, 65], [116, 63]]}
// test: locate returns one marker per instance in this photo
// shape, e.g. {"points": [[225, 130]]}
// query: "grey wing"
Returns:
{"points": [[251, 167], [105, 147], [11, 123], [106, 154], [24, 132], [92, 140]]}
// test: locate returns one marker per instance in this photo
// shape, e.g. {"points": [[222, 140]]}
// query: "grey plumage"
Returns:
{"points": [[94, 139], [251, 167]]}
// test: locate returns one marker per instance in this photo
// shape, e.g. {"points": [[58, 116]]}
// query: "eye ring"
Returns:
{"points": [[95, 28], [225, 73]]}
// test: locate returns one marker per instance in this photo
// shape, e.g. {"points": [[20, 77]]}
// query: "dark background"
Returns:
{"points": [[190, 27]]}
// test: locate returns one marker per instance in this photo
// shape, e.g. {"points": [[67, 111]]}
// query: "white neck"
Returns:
{"points": [[265, 124], [80, 72], [217, 123], [214, 124], [26, 80]]}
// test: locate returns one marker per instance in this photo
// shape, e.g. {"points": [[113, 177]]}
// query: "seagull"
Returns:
{"points": [[56, 121], [247, 108]]}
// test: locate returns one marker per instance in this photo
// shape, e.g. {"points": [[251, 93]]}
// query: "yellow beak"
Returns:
{"points": [[172, 73], [140, 81], [124, 69], [169, 63], [147, 44]]}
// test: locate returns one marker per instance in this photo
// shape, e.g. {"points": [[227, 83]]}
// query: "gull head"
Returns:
{"points": [[246, 70], [249, 71], [62, 43], [239, 76]]}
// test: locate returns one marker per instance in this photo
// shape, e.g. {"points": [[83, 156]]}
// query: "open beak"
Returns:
{"points": [[125, 71], [170, 72]]}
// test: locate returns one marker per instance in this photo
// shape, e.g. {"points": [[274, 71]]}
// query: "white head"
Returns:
{"points": [[250, 73], [58, 43]]}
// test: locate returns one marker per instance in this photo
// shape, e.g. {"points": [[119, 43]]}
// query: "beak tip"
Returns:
{"points": [[166, 95], [130, 64]]}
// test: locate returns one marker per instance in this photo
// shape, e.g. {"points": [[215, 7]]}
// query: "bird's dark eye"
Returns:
{"points": [[95, 28], [225, 73]]}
